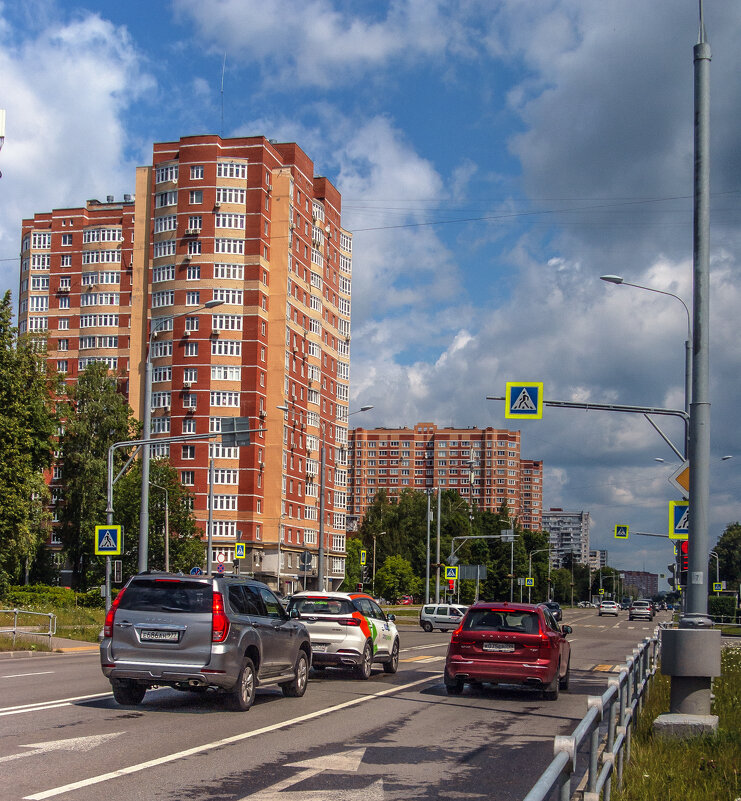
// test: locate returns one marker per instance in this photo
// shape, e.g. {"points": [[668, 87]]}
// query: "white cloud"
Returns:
{"points": [[66, 89]]}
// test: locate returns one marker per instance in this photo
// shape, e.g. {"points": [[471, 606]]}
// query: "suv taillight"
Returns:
{"points": [[455, 636], [348, 621], [219, 620], [111, 614]]}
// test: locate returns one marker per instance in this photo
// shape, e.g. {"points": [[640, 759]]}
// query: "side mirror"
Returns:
{"points": [[566, 629], [294, 613], [391, 617]]}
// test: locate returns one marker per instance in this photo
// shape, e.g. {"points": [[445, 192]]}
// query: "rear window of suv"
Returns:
{"points": [[501, 620], [157, 595], [323, 606]]}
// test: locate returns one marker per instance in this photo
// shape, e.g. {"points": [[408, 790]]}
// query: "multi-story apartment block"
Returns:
{"points": [[245, 222], [640, 583], [597, 559], [483, 465], [569, 534]]}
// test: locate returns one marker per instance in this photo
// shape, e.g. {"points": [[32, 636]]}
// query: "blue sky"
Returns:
{"points": [[495, 158]]}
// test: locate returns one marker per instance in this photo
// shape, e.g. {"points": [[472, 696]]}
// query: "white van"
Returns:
{"points": [[441, 616]]}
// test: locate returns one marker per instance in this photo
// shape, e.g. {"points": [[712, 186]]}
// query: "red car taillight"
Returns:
{"points": [[348, 621], [111, 614], [456, 635], [219, 620]]}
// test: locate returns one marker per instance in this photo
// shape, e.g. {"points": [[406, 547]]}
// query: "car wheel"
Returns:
{"points": [[297, 687], [127, 693], [393, 664], [364, 668], [427, 626], [563, 682], [243, 692], [453, 686], [551, 692]]}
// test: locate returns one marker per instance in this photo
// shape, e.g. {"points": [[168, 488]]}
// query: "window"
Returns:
{"points": [[66, 261], [232, 296], [191, 349], [163, 298], [187, 478], [189, 452], [167, 222], [196, 172], [189, 426], [66, 239], [165, 273], [63, 323], [194, 248], [235, 271], [226, 169], [168, 173], [61, 368], [230, 195], [63, 344], [195, 222], [64, 302], [230, 221], [229, 246], [162, 199], [193, 298], [196, 196], [194, 272]]}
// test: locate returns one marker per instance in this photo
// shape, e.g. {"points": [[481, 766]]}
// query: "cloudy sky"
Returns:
{"points": [[495, 157]]}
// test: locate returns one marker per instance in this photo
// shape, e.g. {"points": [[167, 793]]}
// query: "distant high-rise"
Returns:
{"points": [[569, 534], [246, 222], [483, 465]]}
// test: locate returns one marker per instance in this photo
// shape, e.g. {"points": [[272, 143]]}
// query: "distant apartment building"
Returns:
{"points": [[484, 466], [569, 534], [597, 559], [245, 222], [640, 584]]}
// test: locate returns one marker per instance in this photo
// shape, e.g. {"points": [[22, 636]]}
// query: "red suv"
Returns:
{"points": [[500, 642]]}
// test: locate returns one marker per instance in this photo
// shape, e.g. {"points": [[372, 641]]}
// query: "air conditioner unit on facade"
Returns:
{"points": [[187, 257], [217, 205], [166, 409], [186, 333], [191, 231], [215, 332], [187, 384]]}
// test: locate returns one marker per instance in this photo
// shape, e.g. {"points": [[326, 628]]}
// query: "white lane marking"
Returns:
{"points": [[21, 675], [422, 647], [72, 744], [198, 749], [41, 705]]}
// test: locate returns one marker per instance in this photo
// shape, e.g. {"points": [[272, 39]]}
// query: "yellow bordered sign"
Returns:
{"points": [[451, 572], [108, 540], [524, 400], [679, 527], [621, 531], [240, 550]]}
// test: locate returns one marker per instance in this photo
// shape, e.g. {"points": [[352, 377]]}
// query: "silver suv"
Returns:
{"points": [[198, 632], [642, 608]]}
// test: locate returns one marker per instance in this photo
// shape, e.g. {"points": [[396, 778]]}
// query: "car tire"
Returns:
{"points": [[551, 692], [453, 686], [297, 687], [363, 670], [393, 664], [563, 682], [427, 626], [243, 692], [127, 693]]}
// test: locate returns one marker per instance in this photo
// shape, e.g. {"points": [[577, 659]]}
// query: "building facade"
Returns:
{"points": [[244, 222], [568, 534], [640, 584], [597, 559], [484, 466]]}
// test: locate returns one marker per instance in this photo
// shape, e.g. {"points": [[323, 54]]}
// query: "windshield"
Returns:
{"points": [[157, 595], [319, 605], [501, 620]]}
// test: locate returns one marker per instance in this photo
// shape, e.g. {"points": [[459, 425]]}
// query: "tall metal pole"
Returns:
{"points": [[427, 563], [146, 435], [437, 558], [320, 557], [209, 556]]}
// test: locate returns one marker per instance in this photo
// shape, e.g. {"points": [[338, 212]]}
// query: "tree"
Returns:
{"points": [[27, 425], [353, 570], [186, 546], [396, 578], [95, 416], [728, 549]]}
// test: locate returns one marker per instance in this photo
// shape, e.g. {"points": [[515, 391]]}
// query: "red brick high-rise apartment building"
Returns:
{"points": [[244, 221], [483, 465]]}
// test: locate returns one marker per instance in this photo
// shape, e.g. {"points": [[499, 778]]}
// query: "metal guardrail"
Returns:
{"points": [[15, 630], [619, 706]]}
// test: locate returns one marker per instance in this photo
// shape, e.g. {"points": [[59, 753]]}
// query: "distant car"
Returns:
{"points": [[347, 630], [555, 609], [608, 608], [641, 609], [406, 600], [441, 616], [504, 643]]}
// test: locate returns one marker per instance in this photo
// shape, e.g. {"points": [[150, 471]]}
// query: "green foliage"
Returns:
{"points": [[396, 578], [353, 570], [27, 424], [95, 416], [728, 549], [48, 598], [722, 608]]}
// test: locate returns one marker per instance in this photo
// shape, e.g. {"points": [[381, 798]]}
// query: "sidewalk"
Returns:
{"points": [[58, 645]]}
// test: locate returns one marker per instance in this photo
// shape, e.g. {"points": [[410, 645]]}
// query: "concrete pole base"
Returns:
{"points": [[684, 727]]}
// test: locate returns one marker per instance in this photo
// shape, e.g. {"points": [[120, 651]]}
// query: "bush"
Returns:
{"points": [[43, 597], [722, 608]]}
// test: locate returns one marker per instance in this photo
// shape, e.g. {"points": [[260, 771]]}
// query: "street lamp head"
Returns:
{"points": [[365, 408], [612, 279], [209, 304], [726, 458], [283, 408]]}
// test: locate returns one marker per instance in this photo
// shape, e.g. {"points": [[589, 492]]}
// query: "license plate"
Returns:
{"points": [[160, 636], [501, 647], [320, 649]]}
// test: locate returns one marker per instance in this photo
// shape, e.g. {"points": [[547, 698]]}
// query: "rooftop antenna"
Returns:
{"points": [[223, 69]]}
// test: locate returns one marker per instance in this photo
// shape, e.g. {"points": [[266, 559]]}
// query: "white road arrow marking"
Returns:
{"points": [[344, 762], [73, 744]]}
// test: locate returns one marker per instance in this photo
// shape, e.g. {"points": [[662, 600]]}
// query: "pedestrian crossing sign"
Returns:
{"points": [[529, 582], [239, 550], [679, 526], [451, 572], [108, 540], [524, 400], [621, 532]]}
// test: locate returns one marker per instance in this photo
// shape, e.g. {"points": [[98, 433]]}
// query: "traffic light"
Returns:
{"points": [[365, 572], [684, 559], [360, 587], [672, 577]]}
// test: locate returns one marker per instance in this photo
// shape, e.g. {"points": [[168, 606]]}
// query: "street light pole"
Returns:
{"points": [[427, 563], [717, 569], [167, 525], [530, 567], [146, 433], [437, 559]]}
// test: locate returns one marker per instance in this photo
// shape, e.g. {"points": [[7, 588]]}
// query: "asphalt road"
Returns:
{"points": [[393, 737]]}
